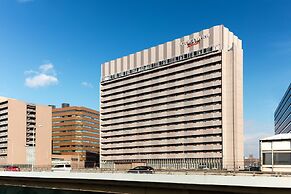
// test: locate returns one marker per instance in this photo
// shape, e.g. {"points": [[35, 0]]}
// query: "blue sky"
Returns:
{"points": [[51, 50]]}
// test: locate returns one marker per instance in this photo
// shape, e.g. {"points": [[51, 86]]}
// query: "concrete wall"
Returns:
{"points": [[232, 101], [43, 135], [16, 132]]}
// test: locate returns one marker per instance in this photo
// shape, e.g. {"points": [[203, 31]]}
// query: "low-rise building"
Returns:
{"points": [[275, 153], [251, 161]]}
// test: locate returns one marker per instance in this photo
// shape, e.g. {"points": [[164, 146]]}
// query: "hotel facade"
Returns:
{"points": [[176, 105], [25, 134]]}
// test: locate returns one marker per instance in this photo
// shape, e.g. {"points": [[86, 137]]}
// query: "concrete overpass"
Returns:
{"points": [[148, 184]]}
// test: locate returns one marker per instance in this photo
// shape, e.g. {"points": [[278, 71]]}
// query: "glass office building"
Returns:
{"points": [[282, 116]]}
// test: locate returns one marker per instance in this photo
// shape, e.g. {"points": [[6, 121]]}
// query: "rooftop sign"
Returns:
{"points": [[194, 41]]}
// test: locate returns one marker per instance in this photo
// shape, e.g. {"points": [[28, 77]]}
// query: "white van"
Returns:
{"points": [[61, 166]]}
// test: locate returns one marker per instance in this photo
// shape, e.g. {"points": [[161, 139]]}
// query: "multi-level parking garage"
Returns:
{"points": [[164, 106]]}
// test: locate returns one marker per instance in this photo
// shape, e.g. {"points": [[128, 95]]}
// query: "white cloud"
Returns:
{"points": [[87, 84], [44, 77], [46, 68]]}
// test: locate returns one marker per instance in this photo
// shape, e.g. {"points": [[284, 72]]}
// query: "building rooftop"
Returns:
{"points": [[278, 137]]}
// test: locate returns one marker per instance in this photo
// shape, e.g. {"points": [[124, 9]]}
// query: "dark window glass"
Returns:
{"points": [[282, 158], [58, 166], [267, 158]]}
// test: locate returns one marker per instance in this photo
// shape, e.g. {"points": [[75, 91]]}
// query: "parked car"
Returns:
{"points": [[12, 168], [254, 168], [142, 170], [62, 168]]}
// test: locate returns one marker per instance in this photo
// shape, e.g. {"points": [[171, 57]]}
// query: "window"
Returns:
{"points": [[267, 158], [282, 158]]}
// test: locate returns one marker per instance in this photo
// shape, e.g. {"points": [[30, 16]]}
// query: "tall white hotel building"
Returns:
{"points": [[175, 105]]}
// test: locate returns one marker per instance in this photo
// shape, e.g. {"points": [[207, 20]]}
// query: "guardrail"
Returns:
{"points": [[165, 171]]}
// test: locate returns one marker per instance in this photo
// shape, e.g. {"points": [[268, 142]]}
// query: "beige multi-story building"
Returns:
{"points": [[175, 105], [76, 135], [25, 133]]}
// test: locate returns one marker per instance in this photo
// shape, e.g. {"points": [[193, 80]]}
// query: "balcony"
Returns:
{"points": [[163, 114], [164, 121], [163, 107], [180, 126], [163, 134], [163, 71], [163, 142], [164, 93], [4, 123], [149, 150], [166, 99], [3, 145], [167, 82], [163, 156]]}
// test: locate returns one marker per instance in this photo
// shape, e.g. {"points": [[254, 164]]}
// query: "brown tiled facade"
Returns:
{"points": [[175, 105], [76, 132]]}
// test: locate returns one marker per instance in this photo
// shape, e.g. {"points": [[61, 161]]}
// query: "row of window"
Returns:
{"points": [[74, 111], [74, 120], [162, 110], [168, 115], [75, 141], [74, 136], [126, 133], [210, 151], [157, 124], [170, 145], [76, 131], [165, 139], [174, 77], [173, 90], [61, 151], [77, 116], [62, 136], [77, 126], [75, 146], [278, 159], [139, 104], [214, 122]]}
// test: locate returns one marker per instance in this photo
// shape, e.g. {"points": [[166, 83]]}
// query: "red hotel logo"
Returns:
{"points": [[194, 41]]}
